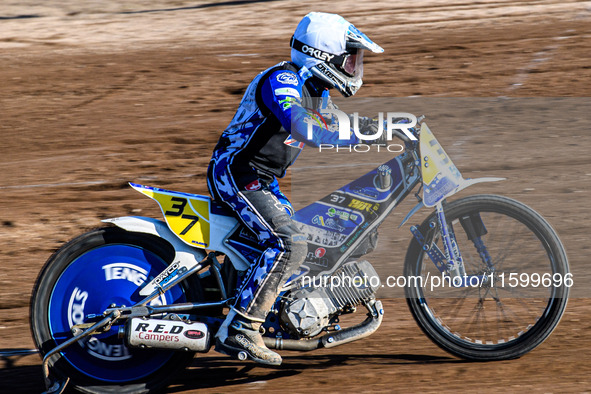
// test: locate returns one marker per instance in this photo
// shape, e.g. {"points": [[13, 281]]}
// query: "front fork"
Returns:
{"points": [[450, 260], [455, 263]]}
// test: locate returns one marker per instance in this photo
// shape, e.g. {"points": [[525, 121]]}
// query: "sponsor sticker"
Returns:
{"points": [[287, 78], [332, 212], [287, 102], [363, 206], [287, 92], [320, 252], [125, 271], [254, 185], [293, 142], [170, 272], [194, 334], [331, 223], [312, 258], [317, 53]]}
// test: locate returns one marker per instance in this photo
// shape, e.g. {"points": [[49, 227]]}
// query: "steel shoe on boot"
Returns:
{"points": [[244, 341]]}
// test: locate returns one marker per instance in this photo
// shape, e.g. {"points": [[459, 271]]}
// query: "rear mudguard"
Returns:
{"points": [[186, 256]]}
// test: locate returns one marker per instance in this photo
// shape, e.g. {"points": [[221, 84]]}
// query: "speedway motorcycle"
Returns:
{"points": [[121, 308]]}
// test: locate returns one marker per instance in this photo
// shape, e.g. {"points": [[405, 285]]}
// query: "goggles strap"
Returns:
{"points": [[316, 53]]}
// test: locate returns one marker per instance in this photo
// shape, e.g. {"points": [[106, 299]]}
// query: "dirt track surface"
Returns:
{"points": [[103, 93]]}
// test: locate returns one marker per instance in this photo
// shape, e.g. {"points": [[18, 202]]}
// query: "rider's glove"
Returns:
{"points": [[370, 127]]}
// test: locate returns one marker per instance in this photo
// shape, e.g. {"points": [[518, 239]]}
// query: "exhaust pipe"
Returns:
{"points": [[362, 330], [167, 334]]}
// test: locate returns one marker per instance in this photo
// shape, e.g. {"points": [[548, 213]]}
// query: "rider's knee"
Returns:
{"points": [[294, 243]]}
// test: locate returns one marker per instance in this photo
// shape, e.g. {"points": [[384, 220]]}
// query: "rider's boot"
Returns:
{"points": [[239, 337]]}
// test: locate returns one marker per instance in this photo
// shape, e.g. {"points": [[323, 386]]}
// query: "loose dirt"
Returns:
{"points": [[99, 93]]}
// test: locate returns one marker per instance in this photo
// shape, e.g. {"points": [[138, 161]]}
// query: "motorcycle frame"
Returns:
{"points": [[190, 259]]}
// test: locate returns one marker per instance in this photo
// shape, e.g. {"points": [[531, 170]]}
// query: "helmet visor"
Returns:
{"points": [[353, 64]]}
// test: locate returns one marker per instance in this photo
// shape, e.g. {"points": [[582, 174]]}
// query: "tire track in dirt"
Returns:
{"points": [[108, 91]]}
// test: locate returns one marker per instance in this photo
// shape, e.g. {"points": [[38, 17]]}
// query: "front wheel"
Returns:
{"points": [[516, 285], [103, 267]]}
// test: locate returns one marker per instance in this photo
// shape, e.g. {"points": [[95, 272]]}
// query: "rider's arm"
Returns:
{"points": [[282, 96]]}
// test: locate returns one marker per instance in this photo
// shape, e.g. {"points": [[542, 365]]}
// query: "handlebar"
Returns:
{"points": [[414, 130], [399, 134]]}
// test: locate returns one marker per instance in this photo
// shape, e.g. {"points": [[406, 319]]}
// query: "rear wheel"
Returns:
{"points": [[103, 267], [519, 273]]}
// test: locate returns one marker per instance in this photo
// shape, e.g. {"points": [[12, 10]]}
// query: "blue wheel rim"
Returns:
{"points": [[109, 274]]}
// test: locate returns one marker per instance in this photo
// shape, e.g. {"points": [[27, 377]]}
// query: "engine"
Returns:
{"points": [[310, 308]]}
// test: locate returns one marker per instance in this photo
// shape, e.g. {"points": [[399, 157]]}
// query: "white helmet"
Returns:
{"points": [[332, 49]]}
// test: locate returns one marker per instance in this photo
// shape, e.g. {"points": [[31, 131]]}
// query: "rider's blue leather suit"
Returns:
{"points": [[263, 139]]}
